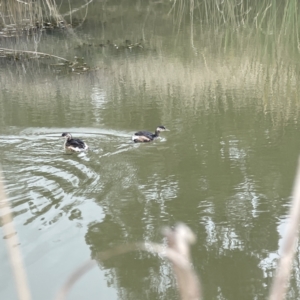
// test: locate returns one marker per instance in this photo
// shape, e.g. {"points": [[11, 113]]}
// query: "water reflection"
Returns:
{"points": [[216, 183], [99, 98], [131, 269], [226, 168]]}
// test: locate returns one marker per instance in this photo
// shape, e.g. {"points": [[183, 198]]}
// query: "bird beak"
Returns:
{"points": [[167, 129]]}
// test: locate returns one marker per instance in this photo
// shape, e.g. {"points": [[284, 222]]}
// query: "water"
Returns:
{"points": [[226, 168]]}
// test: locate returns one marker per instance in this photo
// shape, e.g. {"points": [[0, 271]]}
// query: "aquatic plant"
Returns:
{"points": [[22, 14], [269, 17], [31, 17]]}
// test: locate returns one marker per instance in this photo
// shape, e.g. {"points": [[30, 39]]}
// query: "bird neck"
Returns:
{"points": [[65, 143], [157, 132]]}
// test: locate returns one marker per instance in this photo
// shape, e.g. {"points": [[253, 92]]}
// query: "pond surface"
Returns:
{"points": [[225, 168]]}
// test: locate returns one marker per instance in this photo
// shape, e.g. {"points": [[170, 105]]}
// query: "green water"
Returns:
{"points": [[225, 168]]}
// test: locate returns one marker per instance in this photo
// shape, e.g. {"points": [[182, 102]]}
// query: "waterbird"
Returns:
{"points": [[73, 144], [146, 136]]}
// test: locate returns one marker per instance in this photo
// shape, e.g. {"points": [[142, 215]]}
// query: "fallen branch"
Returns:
{"points": [[34, 52]]}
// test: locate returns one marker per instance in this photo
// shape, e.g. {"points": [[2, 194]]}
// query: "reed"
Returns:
{"points": [[206, 81], [24, 13], [270, 17]]}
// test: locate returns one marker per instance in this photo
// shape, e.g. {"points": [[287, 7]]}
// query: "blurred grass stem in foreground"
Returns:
{"points": [[12, 243]]}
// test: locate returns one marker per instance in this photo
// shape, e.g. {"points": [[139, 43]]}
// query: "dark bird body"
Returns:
{"points": [[73, 144], [147, 136]]}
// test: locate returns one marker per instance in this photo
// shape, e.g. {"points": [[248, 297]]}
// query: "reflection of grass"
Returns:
{"points": [[27, 12], [211, 78], [244, 75], [250, 60]]}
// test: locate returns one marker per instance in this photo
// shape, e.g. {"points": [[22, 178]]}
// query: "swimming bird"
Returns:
{"points": [[146, 136], [73, 144]]}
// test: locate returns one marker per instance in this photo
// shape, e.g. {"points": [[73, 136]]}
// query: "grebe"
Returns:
{"points": [[74, 144], [146, 136]]}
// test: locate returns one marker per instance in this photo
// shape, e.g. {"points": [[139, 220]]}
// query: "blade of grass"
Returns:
{"points": [[178, 252], [12, 244], [288, 246]]}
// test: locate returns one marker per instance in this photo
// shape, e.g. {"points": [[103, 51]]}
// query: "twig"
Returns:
{"points": [[78, 8], [74, 277], [12, 244], [290, 238], [179, 241]]}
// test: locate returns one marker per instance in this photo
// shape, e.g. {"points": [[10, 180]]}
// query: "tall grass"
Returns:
{"points": [[270, 17], [21, 13]]}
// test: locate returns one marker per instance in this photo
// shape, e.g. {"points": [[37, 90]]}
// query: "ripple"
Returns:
{"points": [[46, 184], [41, 180]]}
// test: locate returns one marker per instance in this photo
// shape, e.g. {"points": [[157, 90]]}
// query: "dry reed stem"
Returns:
{"points": [[179, 241], [77, 9], [12, 244], [280, 282]]}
